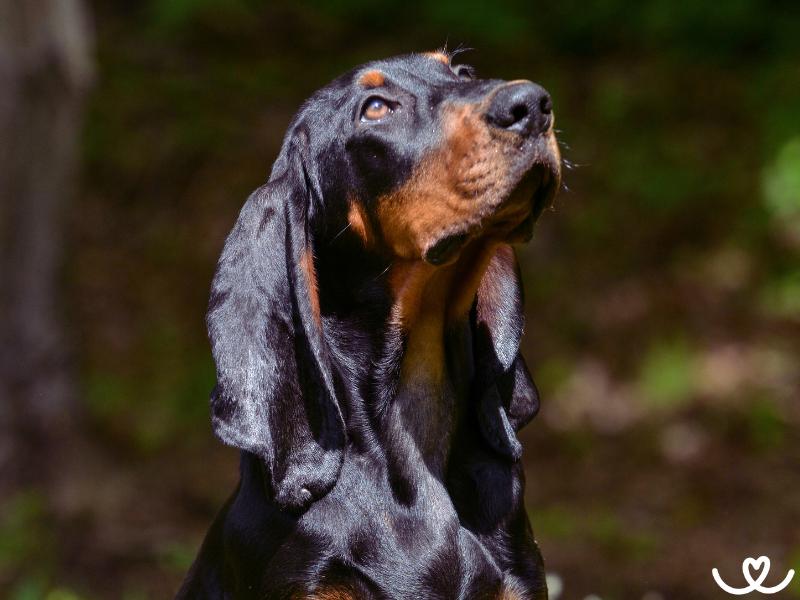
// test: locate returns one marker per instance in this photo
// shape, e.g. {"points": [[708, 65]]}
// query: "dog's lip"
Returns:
{"points": [[445, 248], [532, 194], [545, 192]]}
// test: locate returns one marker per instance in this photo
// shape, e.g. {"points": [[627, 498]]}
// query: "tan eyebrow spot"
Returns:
{"points": [[438, 55], [372, 79]]}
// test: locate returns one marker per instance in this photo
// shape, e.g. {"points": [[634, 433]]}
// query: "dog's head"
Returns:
{"points": [[424, 157], [418, 158]]}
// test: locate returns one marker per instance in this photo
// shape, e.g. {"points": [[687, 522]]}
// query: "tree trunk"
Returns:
{"points": [[45, 71]]}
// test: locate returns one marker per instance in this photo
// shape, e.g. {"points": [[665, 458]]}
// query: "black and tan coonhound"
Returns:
{"points": [[365, 319]]}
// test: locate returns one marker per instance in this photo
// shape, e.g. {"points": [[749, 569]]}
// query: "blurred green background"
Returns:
{"points": [[663, 291]]}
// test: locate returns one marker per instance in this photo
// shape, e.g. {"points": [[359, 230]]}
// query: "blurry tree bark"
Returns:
{"points": [[45, 71]]}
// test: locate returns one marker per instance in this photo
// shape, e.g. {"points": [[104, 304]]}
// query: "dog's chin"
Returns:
{"points": [[511, 222]]}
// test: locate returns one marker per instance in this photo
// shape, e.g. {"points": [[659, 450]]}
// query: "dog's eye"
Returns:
{"points": [[464, 72], [375, 109]]}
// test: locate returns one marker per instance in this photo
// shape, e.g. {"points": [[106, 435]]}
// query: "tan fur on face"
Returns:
{"points": [[358, 221], [454, 188], [372, 79]]}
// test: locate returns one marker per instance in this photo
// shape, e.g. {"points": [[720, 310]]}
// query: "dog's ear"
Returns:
{"points": [[506, 395], [275, 394]]}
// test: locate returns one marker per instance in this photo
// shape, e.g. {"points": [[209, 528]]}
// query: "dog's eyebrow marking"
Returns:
{"points": [[372, 79], [438, 55]]}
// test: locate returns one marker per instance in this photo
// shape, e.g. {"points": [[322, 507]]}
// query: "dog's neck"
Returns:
{"points": [[422, 352], [431, 310]]}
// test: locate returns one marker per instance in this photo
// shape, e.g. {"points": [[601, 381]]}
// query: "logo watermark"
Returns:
{"points": [[750, 567]]}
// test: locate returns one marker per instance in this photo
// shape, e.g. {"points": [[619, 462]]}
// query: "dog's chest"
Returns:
{"points": [[419, 550]]}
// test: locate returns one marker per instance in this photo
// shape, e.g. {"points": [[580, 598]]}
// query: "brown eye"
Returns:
{"points": [[374, 109]]}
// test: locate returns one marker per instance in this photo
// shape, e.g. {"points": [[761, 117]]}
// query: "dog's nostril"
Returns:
{"points": [[546, 104], [519, 112]]}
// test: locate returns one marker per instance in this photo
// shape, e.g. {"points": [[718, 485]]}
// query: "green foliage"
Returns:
{"points": [[27, 547], [608, 530], [29, 589], [35, 589], [766, 425], [504, 26], [176, 14], [794, 563], [666, 377], [162, 398], [178, 556], [148, 411], [553, 372], [604, 529], [781, 296], [781, 183], [24, 536], [62, 594], [554, 522]]}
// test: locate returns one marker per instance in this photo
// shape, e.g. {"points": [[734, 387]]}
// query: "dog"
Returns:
{"points": [[365, 319]]}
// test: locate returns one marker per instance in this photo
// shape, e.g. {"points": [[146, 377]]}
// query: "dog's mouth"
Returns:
{"points": [[512, 221], [445, 249], [540, 199]]}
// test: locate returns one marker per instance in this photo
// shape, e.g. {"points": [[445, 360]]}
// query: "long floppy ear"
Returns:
{"points": [[507, 397], [275, 394]]}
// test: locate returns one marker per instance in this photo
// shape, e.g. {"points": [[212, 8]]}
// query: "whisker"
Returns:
{"points": [[340, 233], [382, 273], [460, 49]]}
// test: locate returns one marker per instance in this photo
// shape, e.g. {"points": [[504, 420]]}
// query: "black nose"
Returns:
{"points": [[525, 108]]}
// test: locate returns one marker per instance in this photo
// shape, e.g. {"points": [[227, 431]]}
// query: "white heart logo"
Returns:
{"points": [[761, 564], [752, 567]]}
